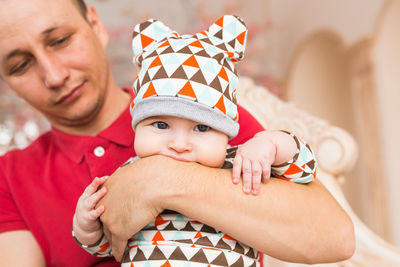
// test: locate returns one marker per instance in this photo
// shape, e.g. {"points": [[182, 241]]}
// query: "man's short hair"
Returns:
{"points": [[82, 7]]}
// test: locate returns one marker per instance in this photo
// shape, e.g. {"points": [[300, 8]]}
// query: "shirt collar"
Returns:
{"points": [[74, 146]]}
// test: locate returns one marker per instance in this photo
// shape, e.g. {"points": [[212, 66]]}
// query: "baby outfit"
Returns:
{"points": [[193, 77]]}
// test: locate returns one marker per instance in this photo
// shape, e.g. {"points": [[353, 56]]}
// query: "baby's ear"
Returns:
{"points": [[232, 30], [146, 34]]}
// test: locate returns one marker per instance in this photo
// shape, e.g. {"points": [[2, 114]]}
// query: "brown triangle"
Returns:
{"points": [[169, 50], [146, 78], [223, 245], [139, 256], [216, 84], [202, 53], [188, 228], [170, 227], [144, 25], [219, 34], [220, 260], [251, 253], [153, 54], [239, 262], [208, 229], [311, 164], [206, 40], [222, 46], [161, 74], [179, 73], [226, 93], [199, 257], [199, 77], [238, 248], [185, 50], [227, 65], [254, 264], [178, 255], [157, 254], [134, 34], [232, 43], [204, 241]]}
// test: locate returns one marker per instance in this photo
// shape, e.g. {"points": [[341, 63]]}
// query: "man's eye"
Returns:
{"points": [[20, 67], [161, 125], [60, 41], [201, 128]]}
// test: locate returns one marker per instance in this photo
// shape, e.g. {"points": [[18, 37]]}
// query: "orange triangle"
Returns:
{"points": [[132, 265], [191, 62], [197, 44], [166, 43], [281, 177], [166, 264], [159, 221], [228, 237], [241, 37], [150, 91], [145, 40], [292, 170], [187, 90], [230, 54], [132, 104], [236, 117], [220, 105], [158, 237], [156, 62], [220, 22], [203, 33], [104, 247], [198, 235], [223, 75]]}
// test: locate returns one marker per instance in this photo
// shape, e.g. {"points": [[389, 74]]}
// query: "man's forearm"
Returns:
{"points": [[292, 222], [288, 221]]}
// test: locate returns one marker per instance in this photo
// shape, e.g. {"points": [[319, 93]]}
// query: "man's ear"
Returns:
{"points": [[94, 20]]}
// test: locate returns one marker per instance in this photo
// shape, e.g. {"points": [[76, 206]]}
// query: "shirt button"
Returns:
{"points": [[99, 151]]}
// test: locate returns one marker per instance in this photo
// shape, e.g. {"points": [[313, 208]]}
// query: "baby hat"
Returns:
{"points": [[189, 76]]}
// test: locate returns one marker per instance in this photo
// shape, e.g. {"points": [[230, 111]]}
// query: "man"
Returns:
{"points": [[52, 54]]}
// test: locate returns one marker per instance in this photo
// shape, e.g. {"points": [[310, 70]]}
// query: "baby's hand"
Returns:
{"points": [[253, 160], [86, 215]]}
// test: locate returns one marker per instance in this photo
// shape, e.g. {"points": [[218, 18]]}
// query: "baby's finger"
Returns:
{"points": [[91, 202], [256, 176], [90, 189], [236, 169], [266, 172], [246, 170], [95, 213]]}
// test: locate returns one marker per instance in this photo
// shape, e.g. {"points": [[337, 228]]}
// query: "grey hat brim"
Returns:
{"points": [[184, 108]]}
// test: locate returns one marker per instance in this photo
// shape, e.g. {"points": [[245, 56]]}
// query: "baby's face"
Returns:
{"points": [[180, 139]]}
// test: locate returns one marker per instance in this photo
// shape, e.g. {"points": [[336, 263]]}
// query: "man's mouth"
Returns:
{"points": [[71, 96]]}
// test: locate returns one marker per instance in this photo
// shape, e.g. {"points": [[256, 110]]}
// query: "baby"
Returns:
{"points": [[185, 108]]}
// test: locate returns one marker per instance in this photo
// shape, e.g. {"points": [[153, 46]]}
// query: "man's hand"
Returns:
{"points": [[134, 198]]}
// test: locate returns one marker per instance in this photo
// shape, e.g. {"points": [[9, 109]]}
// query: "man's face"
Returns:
{"points": [[54, 58]]}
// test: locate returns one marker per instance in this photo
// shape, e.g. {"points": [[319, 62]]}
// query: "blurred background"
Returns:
{"points": [[338, 60]]}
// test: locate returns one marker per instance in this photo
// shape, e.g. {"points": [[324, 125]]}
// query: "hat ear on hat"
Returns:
{"points": [[233, 32], [146, 34]]}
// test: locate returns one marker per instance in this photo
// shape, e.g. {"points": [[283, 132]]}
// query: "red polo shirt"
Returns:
{"points": [[40, 185]]}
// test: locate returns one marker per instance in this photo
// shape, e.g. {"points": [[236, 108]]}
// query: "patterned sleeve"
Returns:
{"points": [[300, 169], [101, 248]]}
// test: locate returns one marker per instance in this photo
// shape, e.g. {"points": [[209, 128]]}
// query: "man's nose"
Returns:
{"points": [[54, 73]]}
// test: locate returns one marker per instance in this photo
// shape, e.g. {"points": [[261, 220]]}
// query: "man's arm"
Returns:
{"points": [[288, 221], [19, 248]]}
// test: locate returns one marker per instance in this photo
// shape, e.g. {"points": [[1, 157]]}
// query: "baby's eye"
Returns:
{"points": [[161, 125], [201, 128]]}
